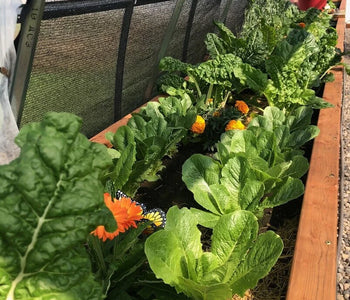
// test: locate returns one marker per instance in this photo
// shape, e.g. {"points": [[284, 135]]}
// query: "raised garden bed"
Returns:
{"points": [[313, 274], [314, 269], [253, 114]]}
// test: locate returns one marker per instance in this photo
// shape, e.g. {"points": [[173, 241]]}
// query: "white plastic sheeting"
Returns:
{"points": [[8, 126]]}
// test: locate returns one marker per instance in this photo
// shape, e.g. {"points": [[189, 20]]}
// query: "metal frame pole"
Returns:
{"points": [[32, 14]]}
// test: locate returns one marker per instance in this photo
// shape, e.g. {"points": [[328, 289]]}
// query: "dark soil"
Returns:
{"points": [[170, 189]]}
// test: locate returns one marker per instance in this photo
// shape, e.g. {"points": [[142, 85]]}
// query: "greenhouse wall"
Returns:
{"points": [[74, 67]]}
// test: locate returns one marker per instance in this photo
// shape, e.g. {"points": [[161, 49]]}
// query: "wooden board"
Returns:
{"points": [[100, 137], [313, 274]]}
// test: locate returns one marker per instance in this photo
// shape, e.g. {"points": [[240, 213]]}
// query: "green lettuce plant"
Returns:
{"points": [[51, 198], [253, 169], [238, 257], [146, 139]]}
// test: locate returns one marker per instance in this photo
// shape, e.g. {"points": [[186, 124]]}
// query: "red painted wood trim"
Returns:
{"points": [[313, 274]]}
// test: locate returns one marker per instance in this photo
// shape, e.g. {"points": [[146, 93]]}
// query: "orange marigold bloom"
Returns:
{"points": [[199, 125], [233, 124], [302, 24], [242, 106], [125, 211], [210, 101]]}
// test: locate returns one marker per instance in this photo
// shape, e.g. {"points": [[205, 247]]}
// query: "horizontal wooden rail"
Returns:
{"points": [[313, 274]]}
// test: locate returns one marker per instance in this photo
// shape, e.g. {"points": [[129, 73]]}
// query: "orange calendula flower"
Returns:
{"points": [[302, 24], [233, 124], [125, 211], [242, 106], [199, 125]]}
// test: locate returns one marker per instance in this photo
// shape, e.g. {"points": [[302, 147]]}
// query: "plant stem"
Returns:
{"points": [[96, 247], [210, 91], [223, 103], [196, 85]]}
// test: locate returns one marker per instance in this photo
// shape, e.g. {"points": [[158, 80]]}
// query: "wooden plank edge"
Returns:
{"points": [[313, 273], [101, 137]]}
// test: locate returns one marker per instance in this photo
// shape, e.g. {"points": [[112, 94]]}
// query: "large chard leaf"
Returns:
{"points": [[290, 68], [215, 45], [236, 254], [171, 64], [51, 199], [218, 71]]}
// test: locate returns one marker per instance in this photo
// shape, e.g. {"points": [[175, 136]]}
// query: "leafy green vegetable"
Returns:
{"points": [[171, 64], [114, 260], [290, 69], [266, 23], [238, 257], [148, 137], [255, 168], [51, 199]]}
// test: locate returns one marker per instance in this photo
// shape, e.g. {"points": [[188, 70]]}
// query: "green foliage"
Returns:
{"points": [[290, 68], [171, 64], [175, 72], [272, 42], [51, 199], [237, 260], [169, 80], [117, 259], [147, 138], [215, 126], [255, 168], [266, 23]]}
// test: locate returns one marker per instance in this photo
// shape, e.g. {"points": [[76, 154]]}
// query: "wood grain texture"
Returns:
{"points": [[100, 137], [313, 274]]}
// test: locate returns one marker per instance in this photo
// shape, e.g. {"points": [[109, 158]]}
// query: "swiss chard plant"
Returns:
{"points": [[294, 49], [238, 257], [211, 83], [51, 198]]}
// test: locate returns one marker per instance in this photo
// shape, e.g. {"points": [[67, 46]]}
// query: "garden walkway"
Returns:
{"points": [[343, 280]]}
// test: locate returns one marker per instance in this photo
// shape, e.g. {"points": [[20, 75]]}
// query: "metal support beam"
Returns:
{"points": [[31, 16], [71, 8], [121, 60], [188, 29]]}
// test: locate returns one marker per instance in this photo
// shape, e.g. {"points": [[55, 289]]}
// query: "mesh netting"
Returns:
{"points": [[74, 66], [74, 69]]}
